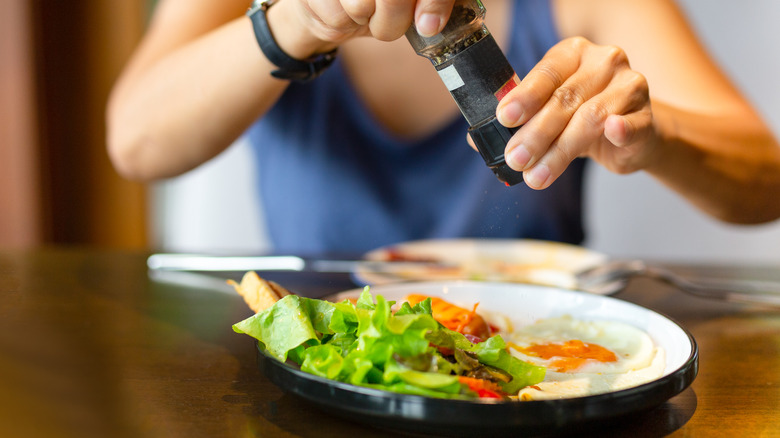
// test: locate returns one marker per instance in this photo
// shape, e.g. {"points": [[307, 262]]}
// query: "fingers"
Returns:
{"points": [[431, 16], [334, 21], [580, 100], [601, 126], [385, 20], [622, 107], [538, 86], [624, 130], [391, 19], [359, 11]]}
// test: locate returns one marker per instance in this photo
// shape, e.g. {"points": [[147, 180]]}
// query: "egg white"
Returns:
{"points": [[639, 360]]}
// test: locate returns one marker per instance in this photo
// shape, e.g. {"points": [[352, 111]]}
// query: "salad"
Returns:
{"points": [[408, 351]]}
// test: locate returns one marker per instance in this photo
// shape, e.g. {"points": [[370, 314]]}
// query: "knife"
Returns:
{"points": [[211, 263]]}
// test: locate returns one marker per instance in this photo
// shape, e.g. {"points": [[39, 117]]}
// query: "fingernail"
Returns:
{"points": [[518, 157], [537, 176], [509, 114], [428, 24]]}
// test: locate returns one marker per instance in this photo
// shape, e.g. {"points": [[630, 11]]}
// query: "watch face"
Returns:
{"points": [[260, 5], [265, 4]]}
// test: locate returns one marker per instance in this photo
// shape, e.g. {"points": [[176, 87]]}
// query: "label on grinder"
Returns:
{"points": [[477, 78], [451, 78]]}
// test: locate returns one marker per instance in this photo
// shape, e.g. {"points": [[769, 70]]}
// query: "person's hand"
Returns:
{"points": [[580, 100], [338, 20]]}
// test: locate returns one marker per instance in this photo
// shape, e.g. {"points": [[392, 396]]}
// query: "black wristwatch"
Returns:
{"points": [[289, 67]]}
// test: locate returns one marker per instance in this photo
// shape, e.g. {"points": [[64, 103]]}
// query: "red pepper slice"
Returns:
{"points": [[483, 388]]}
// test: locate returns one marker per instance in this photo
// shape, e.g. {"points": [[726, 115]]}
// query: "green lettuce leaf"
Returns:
{"points": [[366, 344], [395, 373], [323, 360], [493, 352], [294, 321]]}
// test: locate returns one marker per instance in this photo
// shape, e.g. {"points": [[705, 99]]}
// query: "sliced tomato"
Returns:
{"points": [[483, 388]]}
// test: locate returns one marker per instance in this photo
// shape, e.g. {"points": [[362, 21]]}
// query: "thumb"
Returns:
{"points": [[619, 130]]}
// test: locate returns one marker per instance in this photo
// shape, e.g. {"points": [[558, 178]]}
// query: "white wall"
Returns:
{"points": [[212, 208], [634, 216]]}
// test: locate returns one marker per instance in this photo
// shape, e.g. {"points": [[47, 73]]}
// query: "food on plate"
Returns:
{"points": [[454, 317], [367, 344], [428, 346], [484, 267], [585, 357], [258, 293]]}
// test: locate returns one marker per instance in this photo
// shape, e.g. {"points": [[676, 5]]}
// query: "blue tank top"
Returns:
{"points": [[340, 183]]}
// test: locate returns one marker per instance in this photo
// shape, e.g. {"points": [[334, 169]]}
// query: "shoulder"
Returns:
{"points": [[602, 21]]}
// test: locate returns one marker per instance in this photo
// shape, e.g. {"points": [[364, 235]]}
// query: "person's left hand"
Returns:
{"points": [[580, 100]]}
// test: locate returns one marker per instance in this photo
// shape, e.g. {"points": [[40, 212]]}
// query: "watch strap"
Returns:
{"points": [[288, 67]]}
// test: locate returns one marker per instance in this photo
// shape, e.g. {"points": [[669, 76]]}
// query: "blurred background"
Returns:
{"points": [[59, 59]]}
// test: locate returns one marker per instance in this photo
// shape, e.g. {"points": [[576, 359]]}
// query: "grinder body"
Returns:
{"points": [[477, 75]]}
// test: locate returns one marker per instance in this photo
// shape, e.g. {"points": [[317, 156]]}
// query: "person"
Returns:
{"points": [[374, 150]]}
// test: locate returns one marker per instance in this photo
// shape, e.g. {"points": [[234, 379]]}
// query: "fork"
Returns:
{"points": [[614, 276]]}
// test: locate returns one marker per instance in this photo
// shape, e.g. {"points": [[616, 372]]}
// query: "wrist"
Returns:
{"points": [[294, 37], [288, 67], [665, 133]]}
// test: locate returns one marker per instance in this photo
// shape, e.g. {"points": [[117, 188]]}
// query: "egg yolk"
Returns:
{"points": [[568, 355]]}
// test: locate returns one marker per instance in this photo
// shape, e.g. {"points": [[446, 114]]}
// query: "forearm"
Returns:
{"points": [[187, 106], [199, 79], [171, 112], [728, 166]]}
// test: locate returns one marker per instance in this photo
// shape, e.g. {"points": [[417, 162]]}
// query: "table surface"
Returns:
{"points": [[90, 346]]}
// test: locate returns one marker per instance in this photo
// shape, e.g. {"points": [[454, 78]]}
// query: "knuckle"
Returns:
{"points": [[567, 98], [615, 56], [358, 10], [578, 42], [338, 21], [594, 114], [638, 89], [638, 82], [548, 71], [576, 47]]}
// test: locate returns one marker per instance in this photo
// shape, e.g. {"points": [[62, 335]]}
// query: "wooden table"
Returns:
{"points": [[91, 347]]}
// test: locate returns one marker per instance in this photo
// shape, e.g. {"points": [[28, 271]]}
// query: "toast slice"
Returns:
{"points": [[259, 294]]}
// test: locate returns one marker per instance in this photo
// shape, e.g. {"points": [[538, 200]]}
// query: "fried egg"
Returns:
{"points": [[586, 357]]}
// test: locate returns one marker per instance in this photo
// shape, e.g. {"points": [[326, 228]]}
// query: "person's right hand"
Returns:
{"points": [[336, 21]]}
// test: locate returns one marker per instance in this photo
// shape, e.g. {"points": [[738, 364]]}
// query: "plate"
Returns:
{"points": [[505, 260], [524, 304]]}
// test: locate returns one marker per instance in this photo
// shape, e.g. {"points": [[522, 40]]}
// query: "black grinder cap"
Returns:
{"points": [[490, 137]]}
